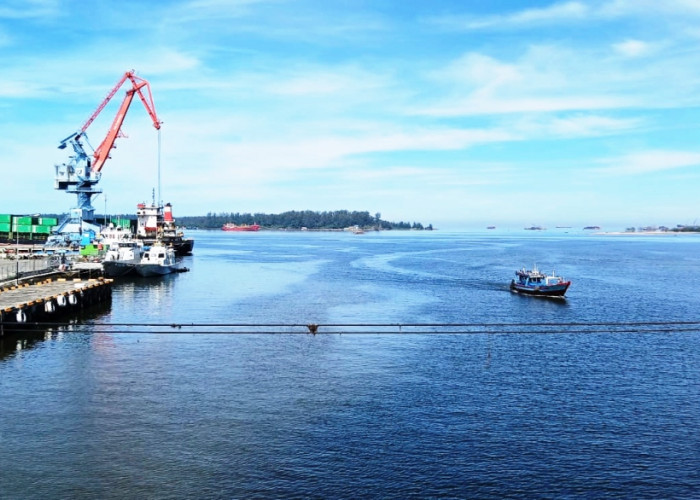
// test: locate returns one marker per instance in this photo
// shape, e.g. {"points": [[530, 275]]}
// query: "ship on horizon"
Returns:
{"points": [[230, 226]]}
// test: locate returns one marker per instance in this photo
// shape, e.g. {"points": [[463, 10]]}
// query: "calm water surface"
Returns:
{"points": [[118, 411]]}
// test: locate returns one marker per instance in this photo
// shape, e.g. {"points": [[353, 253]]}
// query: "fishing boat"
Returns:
{"points": [[533, 282], [157, 260], [230, 226]]}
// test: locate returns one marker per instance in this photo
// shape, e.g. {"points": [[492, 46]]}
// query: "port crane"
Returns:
{"points": [[82, 173]]}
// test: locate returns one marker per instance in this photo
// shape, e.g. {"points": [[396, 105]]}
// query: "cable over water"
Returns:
{"points": [[568, 328]]}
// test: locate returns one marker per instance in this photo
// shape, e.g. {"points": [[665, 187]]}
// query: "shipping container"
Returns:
{"points": [[4, 227], [123, 223], [41, 229], [48, 221], [22, 220], [5, 218], [89, 250]]}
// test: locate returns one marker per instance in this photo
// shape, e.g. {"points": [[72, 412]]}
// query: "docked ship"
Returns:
{"points": [[157, 260], [156, 223], [533, 282], [230, 226], [122, 257]]}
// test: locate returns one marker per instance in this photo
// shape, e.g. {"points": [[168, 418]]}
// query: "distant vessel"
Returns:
{"points": [[491, 227], [156, 261], [592, 228], [230, 226], [534, 228], [533, 282]]}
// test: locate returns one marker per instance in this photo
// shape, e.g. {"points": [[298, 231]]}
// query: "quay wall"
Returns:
{"points": [[50, 300]]}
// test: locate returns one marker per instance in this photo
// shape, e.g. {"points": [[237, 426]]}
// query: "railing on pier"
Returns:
{"points": [[11, 269]]}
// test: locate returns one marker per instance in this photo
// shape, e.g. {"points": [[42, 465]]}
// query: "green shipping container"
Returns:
{"points": [[24, 228], [41, 229], [123, 223], [5, 218], [4, 227], [22, 221], [89, 250], [48, 221]]}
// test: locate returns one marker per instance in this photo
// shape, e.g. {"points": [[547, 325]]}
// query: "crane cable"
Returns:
{"points": [[160, 200]]}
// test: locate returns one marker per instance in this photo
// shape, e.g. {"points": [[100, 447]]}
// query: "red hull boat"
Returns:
{"points": [[230, 226]]}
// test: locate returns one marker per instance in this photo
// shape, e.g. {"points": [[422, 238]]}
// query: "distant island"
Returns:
{"points": [[686, 229], [298, 220]]}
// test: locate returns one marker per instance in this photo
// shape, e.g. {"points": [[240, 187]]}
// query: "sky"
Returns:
{"points": [[456, 113]]}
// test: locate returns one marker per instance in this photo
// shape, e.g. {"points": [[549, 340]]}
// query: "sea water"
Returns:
{"points": [[175, 390]]}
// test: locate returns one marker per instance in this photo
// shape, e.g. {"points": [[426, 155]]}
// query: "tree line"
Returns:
{"points": [[338, 219]]}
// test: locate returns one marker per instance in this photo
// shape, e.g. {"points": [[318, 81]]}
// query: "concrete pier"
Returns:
{"points": [[50, 299]]}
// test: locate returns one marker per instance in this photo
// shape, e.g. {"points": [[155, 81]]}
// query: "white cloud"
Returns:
{"points": [[480, 70], [280, 158], [563, 13], [549, 78], [633, 48], [334, 81], [650, 161], [555, 13], [649, 8], [28, 9], [577, 126], [482, 105]]}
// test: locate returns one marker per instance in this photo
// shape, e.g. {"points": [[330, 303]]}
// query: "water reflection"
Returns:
{"points": [[16, 338], [145, 299]]}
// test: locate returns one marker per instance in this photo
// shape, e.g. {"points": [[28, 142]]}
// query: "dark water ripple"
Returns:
{"points": [[106, 414]]}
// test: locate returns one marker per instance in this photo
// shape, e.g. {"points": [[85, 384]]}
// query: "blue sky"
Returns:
{"points": [[456, 113]]}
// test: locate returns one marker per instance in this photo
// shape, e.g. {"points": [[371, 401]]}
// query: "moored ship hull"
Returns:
{"points": [[117, 269], [148, 270], [543, 291]]}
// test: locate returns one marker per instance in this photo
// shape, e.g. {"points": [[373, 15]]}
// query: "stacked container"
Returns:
{"points": [[5, 223], [120, 222], [26, 229]]}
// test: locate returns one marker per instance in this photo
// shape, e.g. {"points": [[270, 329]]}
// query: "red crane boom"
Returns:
{"points": [[102, 152]]}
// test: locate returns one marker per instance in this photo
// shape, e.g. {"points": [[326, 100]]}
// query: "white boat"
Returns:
{"points": [[157, 260], [123, 251], [122, 257], [111, 233]]}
